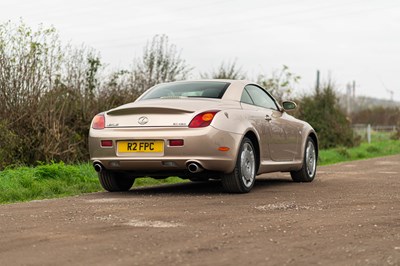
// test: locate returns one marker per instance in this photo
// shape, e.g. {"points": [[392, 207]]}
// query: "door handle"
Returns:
{"points": [[268, 118]]}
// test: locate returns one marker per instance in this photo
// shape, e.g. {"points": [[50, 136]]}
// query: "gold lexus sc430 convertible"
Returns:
{"points": [[231, 130]]}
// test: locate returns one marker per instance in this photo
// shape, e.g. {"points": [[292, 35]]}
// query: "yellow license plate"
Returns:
{"points": [[141, 146]]}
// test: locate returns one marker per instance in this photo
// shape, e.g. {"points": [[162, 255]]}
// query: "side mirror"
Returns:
{"points": [[289, 105]]}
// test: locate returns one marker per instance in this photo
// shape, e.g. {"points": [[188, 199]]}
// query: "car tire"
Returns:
{"points": [[242, 179], [113, 183], [309, 168]]}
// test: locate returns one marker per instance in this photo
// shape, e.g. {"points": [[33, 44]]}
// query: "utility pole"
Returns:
{"points": [[348, 98], [389, 91], [391, 94], [317, 83]]}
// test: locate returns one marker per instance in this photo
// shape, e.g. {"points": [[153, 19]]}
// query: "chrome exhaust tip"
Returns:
{"points": [[194, 168], [97, 167]]}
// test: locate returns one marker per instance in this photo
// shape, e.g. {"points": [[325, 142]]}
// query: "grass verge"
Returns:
{"points": [[46, 181], [56, 180], [60, 180], [364, 151]]}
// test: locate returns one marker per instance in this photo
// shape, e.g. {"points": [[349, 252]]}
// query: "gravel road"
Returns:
{"points": [[349, 215]]}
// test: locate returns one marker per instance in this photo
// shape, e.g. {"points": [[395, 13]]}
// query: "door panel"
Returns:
{"points": [[256, 115], [284, 136], [278, 131]]}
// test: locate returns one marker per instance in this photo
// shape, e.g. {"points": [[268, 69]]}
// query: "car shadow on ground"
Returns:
{"points": [[213, 187]]}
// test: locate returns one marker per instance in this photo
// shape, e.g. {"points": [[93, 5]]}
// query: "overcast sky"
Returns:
{"points": [[346, 39]]}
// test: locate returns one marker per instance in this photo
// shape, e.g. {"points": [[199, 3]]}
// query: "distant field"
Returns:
{"points": [[377, 133], [60, 180]]}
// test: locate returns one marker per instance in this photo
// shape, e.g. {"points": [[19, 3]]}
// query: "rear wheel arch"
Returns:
{"points": [[253, 138], [242, 178]]}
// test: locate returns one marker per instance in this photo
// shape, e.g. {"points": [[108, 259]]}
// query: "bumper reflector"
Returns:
{"points": [[175, 142], [224, 148], [106, 143]]}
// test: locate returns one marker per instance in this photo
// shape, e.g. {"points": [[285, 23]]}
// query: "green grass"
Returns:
{"points": [[364, 151], [46, 181], [60, 180], [144, 182], [56, 180]]}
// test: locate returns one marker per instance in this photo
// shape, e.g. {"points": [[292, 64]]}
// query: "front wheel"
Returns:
{"points": [[309, 168], [111, 182], [242, 179]]}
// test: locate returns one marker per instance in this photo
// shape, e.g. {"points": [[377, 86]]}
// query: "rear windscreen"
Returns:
{"points": [[200, 89]]}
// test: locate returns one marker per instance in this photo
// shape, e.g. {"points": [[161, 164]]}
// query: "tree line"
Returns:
{"points": [[49, 93]]}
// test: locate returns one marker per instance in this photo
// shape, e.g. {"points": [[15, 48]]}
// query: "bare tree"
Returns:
{"points": [[161, 62], [280, 83], [226, 71], [29, 64], [47, 95]]}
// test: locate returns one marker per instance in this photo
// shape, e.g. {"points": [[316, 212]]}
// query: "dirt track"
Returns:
{"points": [[350, 215]]}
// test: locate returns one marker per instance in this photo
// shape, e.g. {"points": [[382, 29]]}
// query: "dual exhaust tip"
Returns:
{"points": [[192, 167], [98, 167]]}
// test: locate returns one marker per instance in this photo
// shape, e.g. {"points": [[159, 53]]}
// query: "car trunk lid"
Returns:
{"points": [[158, 113]]}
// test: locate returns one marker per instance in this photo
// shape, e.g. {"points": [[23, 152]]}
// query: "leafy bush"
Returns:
{"points": [[381, 116], [48, 90], [373, 149], [396, 135], [342, 151], [321, 110], [52, 92]]}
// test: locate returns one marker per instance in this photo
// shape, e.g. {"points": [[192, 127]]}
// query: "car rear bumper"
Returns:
{"points": [[201, 145]]}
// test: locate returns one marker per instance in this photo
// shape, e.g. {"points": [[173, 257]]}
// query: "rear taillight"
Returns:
{"points": [[203, 119], [99, 122]]}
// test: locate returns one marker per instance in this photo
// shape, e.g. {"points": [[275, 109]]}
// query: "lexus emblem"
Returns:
{"points": [[143, 120]]}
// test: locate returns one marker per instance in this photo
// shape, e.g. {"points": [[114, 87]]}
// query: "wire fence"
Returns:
{"points": [[370, 133]]}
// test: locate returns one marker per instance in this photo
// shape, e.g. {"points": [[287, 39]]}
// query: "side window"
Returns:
{"points": [[246, 98], [260, 97]]}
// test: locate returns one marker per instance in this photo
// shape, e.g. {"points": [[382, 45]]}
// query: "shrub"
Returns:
{"points": [[52, 92], [373, 149], [225, 71], [321, 110], [342, 151], [379, 115], [9, 145], [49, 91]]}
